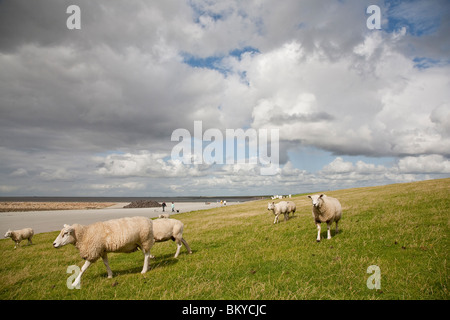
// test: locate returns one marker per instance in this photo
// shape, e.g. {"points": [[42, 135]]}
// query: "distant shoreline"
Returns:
{"points": [[52, 220], [131, 199]]}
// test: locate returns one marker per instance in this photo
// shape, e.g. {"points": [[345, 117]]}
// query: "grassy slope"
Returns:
{"points": [[239, 254]]}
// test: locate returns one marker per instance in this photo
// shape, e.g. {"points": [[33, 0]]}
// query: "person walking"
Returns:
{"points": [[173, 207], [164, 206]]}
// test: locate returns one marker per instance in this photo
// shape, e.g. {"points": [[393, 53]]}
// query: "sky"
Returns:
{"points": [[91, 111]]}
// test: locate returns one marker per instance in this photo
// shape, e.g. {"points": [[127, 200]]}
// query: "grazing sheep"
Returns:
{"points": [[164, 216], [291, 207], [166, 229], [282, 207], [19, 235], [118, 235], [325, 209]]}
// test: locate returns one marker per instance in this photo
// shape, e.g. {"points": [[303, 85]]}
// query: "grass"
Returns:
{"points": [[238, 253]]}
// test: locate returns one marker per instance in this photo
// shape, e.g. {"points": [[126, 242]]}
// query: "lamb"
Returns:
{"points": [[325, 209], [165, 229], [118, 235], [282, 207], [18, 235], [164, 216]]}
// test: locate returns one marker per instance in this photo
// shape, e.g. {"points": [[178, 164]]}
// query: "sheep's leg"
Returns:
{"points": [[336, 227], [318, 232], [146, 260], [276, 219], [83, 269], [328, 231], [186, 245], [108, 269], [178, 249], [17, 244], [29, 241], [286, 216]]}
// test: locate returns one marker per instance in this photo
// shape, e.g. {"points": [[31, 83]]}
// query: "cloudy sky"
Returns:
{"points": [[91, 112]]}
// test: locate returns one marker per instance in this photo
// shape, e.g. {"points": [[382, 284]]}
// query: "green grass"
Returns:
{"points": [[238, 253]]}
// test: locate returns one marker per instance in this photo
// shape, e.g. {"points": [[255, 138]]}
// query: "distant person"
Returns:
{"points": [[173, 207], [164, 206]]}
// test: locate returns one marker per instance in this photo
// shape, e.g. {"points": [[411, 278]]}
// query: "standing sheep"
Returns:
{"points": [[291, 207], [282, 207], [166, 229], [19, 235], [325, 209], [118, 235]]}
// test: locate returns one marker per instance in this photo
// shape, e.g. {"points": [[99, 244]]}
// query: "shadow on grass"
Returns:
{"points": [[323, 234], [160, 261]]}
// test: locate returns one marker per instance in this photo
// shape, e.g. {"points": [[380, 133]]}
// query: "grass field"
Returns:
{"points": [[238, 253]]}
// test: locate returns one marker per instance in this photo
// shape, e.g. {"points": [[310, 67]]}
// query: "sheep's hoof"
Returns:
{"points": [[318, 240]]}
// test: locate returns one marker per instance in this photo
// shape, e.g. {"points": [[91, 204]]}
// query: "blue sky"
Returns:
{"points": [[92, 111]]}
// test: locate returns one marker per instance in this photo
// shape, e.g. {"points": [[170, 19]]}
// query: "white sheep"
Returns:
{"points": [[164, 216], [19, 235], [325, 209], [118, 235], [291, 207], [170, 229], [282, 207]]}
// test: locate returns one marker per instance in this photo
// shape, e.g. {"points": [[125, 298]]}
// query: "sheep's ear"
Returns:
{"points": [[309, 197], [68, 228], [321, 195]]}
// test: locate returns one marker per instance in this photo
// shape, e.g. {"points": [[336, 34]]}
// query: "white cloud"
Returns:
{"points": [[20, 172], [433, 163], [57, 174], [338, 165], [8, 189], [133, 186], [314, 71], [381, 107]]}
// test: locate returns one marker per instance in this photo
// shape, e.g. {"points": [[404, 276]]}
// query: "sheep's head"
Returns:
{"points": [[316, 200], [271, 206], [8, 234], [66, 236]]}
